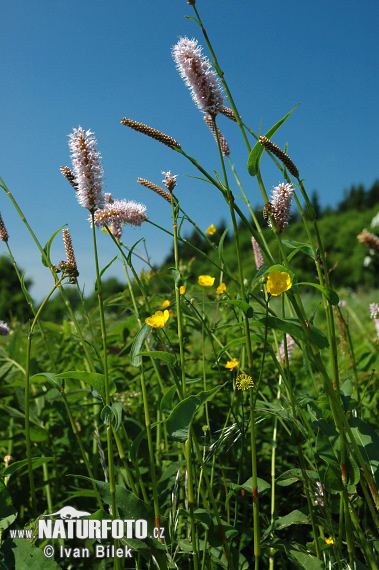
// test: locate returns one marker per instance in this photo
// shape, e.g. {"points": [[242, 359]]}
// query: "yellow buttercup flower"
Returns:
{"points": [[232, 364], [182, 290], [211, 230], [165, 304], [221, 288], [158, 320], [329, 540], [278, 282], [244, 382], [206, 280]]}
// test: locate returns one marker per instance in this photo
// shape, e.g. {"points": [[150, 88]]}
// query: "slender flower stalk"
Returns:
{"points": [[198, 75], [150, 132], [87, 169]]}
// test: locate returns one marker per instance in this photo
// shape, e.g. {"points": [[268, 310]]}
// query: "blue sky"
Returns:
{"points": [[65, 64]]}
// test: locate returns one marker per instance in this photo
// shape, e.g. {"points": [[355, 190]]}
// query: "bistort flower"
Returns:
{"points": [[258, 258], [211, 230], [4, 328], [158, 320], [169, 180], [3, 231], [221, 289], [198, 75], [206, 280], [120, 212], [278, 282], [232, 364], [281, 205], [87, 169], [219, 137], [244, 382]]}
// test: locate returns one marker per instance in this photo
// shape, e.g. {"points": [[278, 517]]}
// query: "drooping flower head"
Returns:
{"points": [[278, 282], [281, 205], [219, 137], [118, 212], [198, 75], [87, 169]]}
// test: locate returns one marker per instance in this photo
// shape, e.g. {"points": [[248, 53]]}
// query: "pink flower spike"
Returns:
{"points": [[281, 205], [87, 169], [198, 75], [121, 212]]}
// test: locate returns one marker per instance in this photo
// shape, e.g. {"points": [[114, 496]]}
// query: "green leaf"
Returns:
{"points": [[17, 465], [221, 244], [299, 246], [97, 288], [20, 553], [257, 151], [245, 307], [293, 328], [129, 258], [293, 476], [94, 379], [113, 411], [263, 486], [8, 513], [28, 297], [46, 258], [329, 293], [135, 358], [367, 439], [177, 277], [160, 355], [167, 399], [305, 561], [179, 421]]}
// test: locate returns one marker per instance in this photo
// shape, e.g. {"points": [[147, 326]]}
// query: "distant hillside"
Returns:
{"points": [[338, 228]]}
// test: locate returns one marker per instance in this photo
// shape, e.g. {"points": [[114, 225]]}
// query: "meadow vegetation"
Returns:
{"points": [[229, 398]]}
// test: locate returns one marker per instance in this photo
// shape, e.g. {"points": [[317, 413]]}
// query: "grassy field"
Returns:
{"points": [[212, 414]]}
